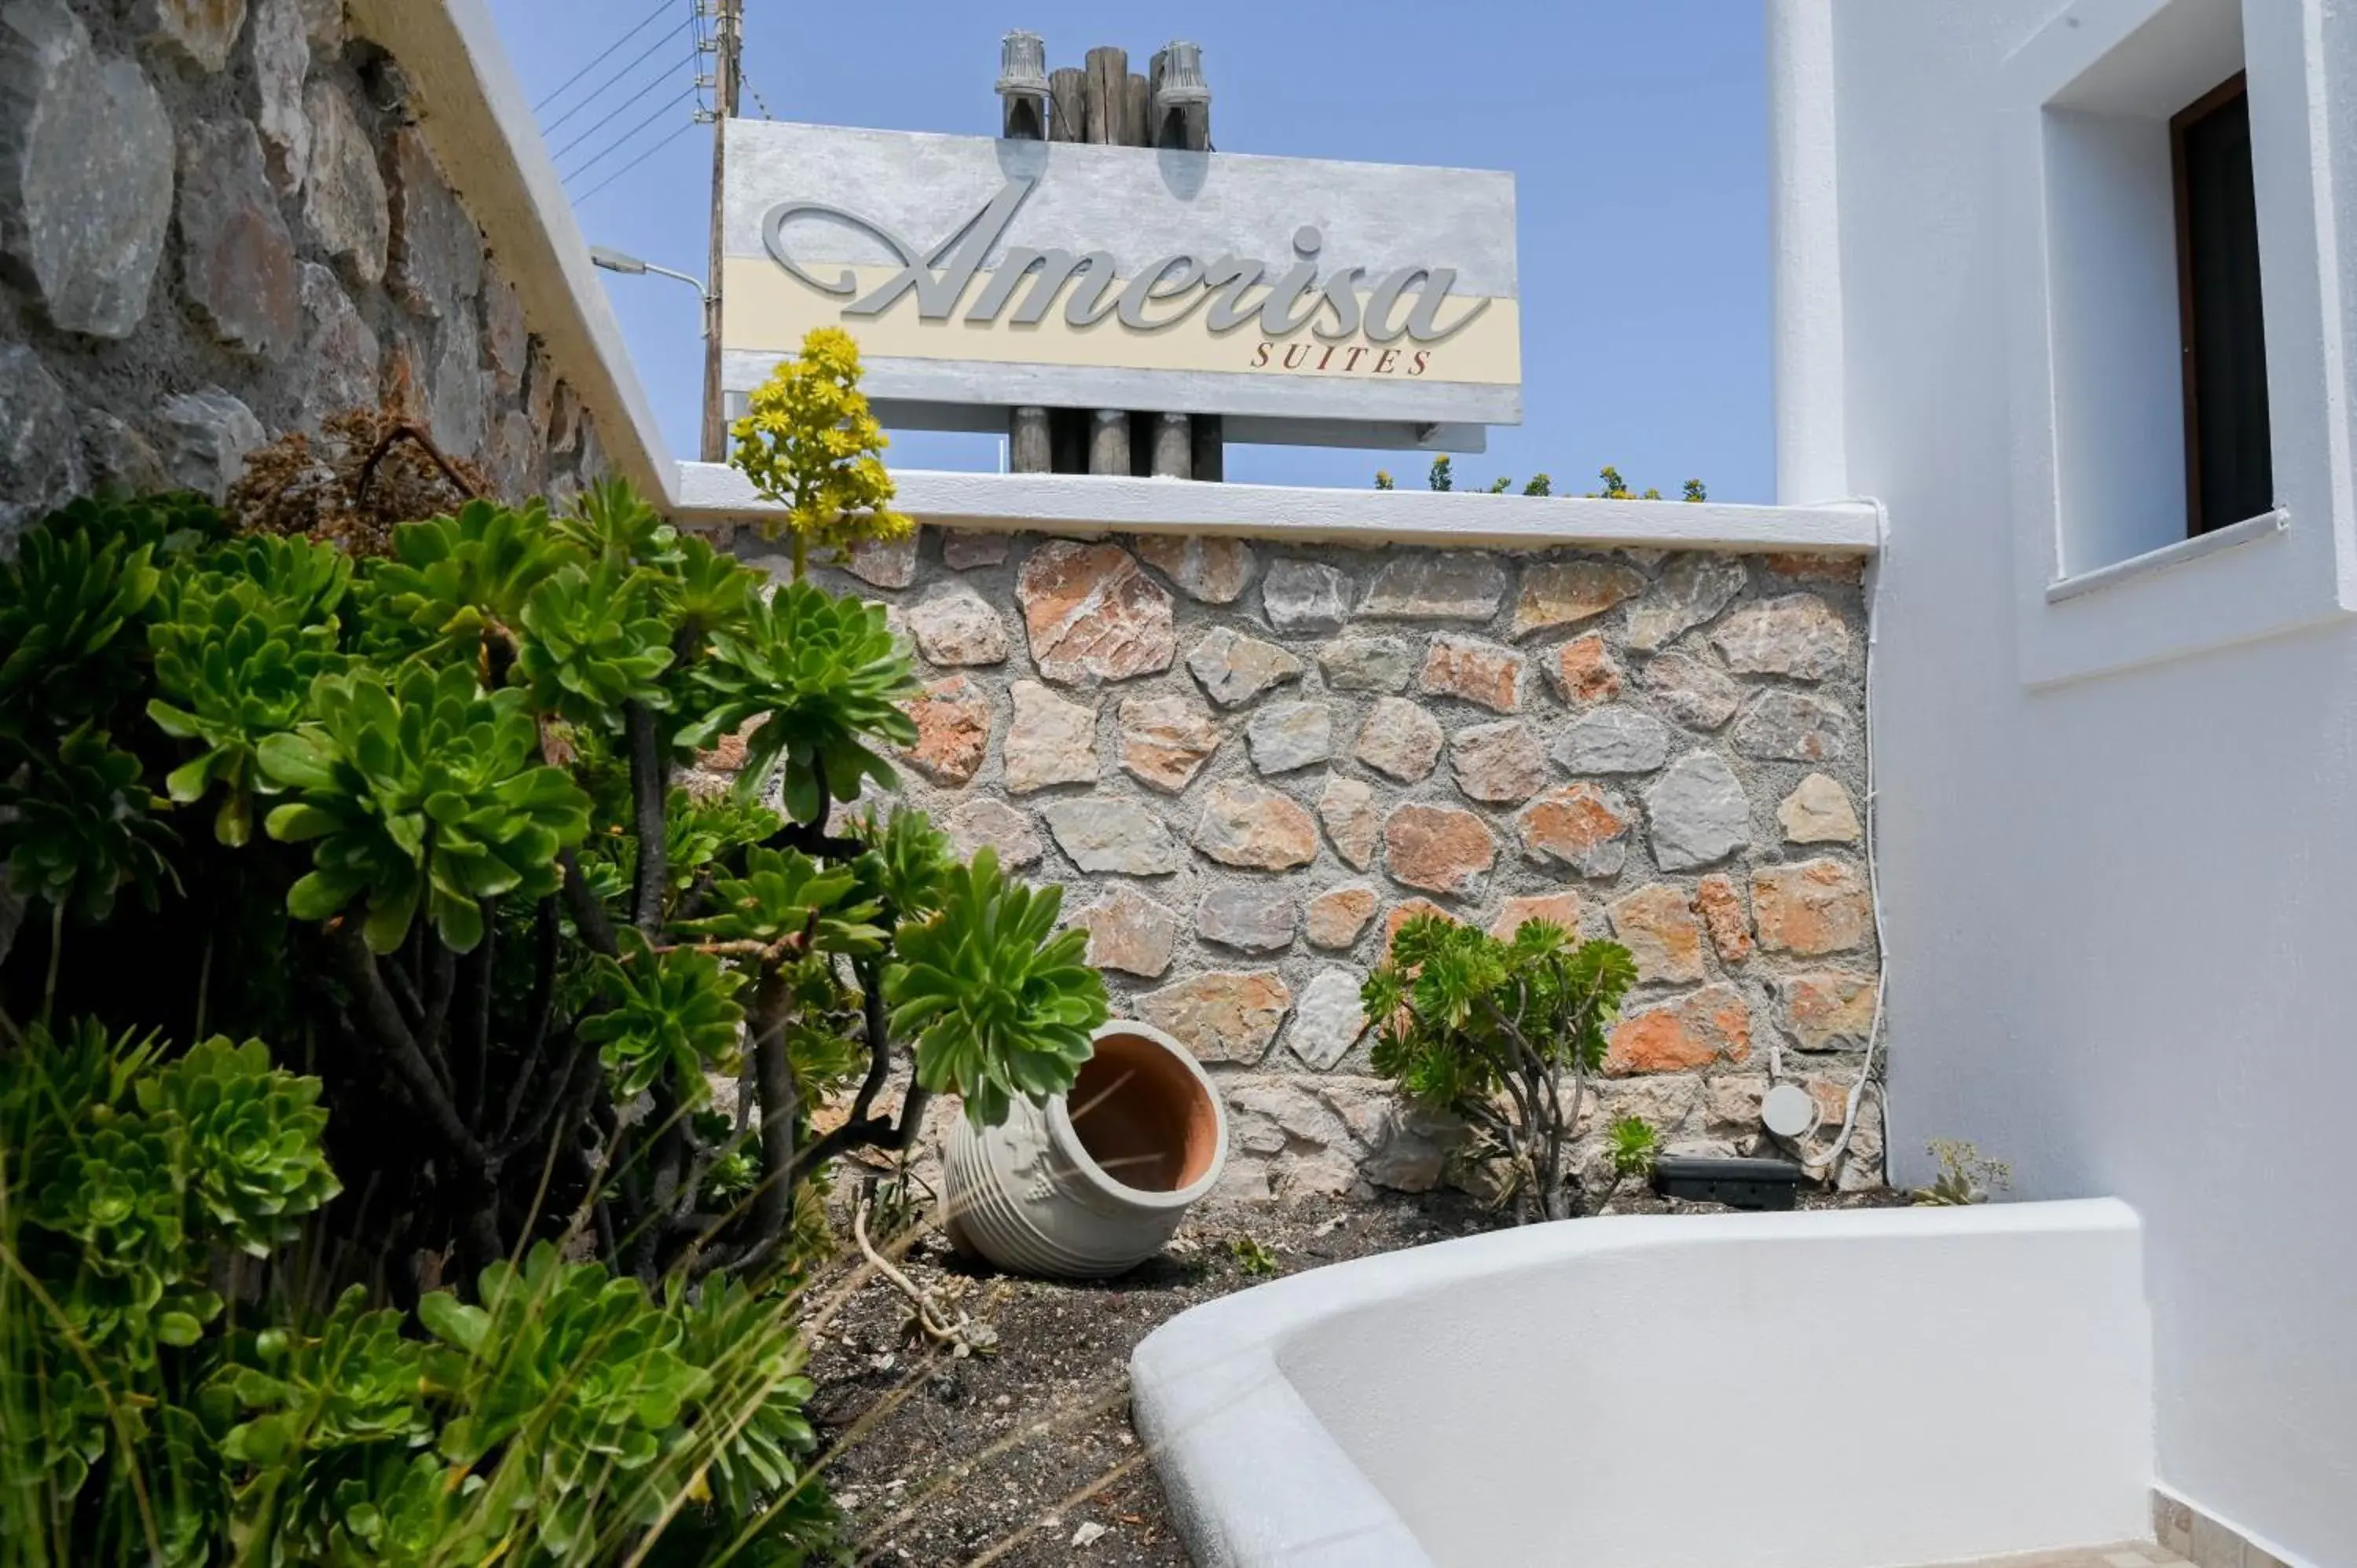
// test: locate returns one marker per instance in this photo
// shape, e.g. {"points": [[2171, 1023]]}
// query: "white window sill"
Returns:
{"points": [[2267, 525]]}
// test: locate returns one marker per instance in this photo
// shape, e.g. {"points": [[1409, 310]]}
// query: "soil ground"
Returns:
{"points": [[1024, 1458]]}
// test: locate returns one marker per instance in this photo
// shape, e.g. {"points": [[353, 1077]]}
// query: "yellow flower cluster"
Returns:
{"points": [[810, 445]]}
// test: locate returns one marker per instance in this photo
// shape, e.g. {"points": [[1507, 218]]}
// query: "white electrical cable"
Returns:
{"points": [[1832, 1158]]}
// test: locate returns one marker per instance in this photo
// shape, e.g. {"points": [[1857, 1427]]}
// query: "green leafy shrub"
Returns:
{"points": [[1505, 1035], [486, 909], [567, 1418], [427, 793]]}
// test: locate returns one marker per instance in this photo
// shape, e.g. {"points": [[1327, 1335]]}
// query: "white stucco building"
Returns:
{"points": [[2116, 757]]}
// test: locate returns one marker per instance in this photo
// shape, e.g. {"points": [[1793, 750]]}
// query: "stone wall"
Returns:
{"points": [[1246, 763], [218, 223]]}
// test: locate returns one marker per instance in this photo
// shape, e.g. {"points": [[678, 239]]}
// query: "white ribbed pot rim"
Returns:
{"points": [[1067, 1138]]}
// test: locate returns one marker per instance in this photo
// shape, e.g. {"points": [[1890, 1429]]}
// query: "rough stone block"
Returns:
{"points": [[281, 47], [1235, 669], [1691, 591], [1092, 614], [1254, 917], [977, 825], [1337, 918], [1221, 1017], [1213, 571], [1102, 834], [86, 170], [1818, 810], [1578, 826], [237, 261], [1698, 813], [344, 201], [1368, 664], [1287, 737], [1130, 932], [1327, 1020], [1812, 908], [1305, 598], [1473, 671], [1165, 740], [1353, 825], [208, 435], [1566, 592], [1250, 825], [1658, 925], [1798, 636], [1440, 849], [434, 261], [1501, 764], [1436, 585], [1399, 740], [40, 449], [1614, 739], [1701, 1029], [953, 730], [1691, 691], [956, 625]]}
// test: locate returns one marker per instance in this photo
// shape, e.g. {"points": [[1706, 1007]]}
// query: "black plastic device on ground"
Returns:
{"points": [[1738, 1184]]}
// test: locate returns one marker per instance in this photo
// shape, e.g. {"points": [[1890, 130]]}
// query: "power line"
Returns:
{"points": [[620, 109], [634, 163], [614, 146], [758, 101], [603, 87], [651, 17]]}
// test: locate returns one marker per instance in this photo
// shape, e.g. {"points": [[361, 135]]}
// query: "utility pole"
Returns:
{"points": [[728, 44]]}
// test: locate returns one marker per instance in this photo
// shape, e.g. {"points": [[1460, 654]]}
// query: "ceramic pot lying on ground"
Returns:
{"points": [[1093, 1182]]}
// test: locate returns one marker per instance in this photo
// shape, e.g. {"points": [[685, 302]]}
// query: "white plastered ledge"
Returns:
{"points": [[712, 493]]}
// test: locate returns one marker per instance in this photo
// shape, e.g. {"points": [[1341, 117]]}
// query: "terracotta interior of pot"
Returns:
{"points": [[1143, 1117]]}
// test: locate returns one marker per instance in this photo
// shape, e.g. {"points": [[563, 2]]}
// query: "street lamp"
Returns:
{"points": [[615, 261], [621, 261]]}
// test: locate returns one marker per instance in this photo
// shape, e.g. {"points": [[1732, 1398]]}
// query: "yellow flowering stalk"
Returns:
{"points": [[810, 445]]}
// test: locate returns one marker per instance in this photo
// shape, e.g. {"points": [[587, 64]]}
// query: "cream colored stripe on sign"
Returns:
{"points": [[768, 312]]}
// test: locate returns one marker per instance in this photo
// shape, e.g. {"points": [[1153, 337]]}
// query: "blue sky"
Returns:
{"points": [[1636, 130]]}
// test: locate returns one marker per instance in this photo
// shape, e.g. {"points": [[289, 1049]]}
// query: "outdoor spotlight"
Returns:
{"points": [[1182, 85], [615, 261], [1022, 66]]}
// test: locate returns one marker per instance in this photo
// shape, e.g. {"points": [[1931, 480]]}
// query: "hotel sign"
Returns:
{"points": [[1308, 300]]}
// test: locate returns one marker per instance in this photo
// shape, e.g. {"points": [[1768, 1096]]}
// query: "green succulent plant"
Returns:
{"points": [[1632, 1146], [68, 602], [907, 862], [593, 644], [826, 678], [612, 524], [1505, 1035], [576, 1374], [698, 833], [452, 579], [707, 591], [425, 795], [1000, 1003], [784, 896], [673, 1013], [237, 646], [253, 1154], [80, 829]]}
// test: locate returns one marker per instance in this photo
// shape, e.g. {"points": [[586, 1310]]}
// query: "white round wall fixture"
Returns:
{"points": [[1788, 1111]]}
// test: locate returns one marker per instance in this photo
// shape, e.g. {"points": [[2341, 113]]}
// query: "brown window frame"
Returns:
{"points": [[2235, 87]]}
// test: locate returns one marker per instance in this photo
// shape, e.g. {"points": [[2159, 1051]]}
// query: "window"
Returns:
{"points": [[2147, 397], [2229, 467]]}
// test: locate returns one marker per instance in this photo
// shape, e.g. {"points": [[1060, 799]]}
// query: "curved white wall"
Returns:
{"points": [[1803, 1391], [2122, 941]]}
